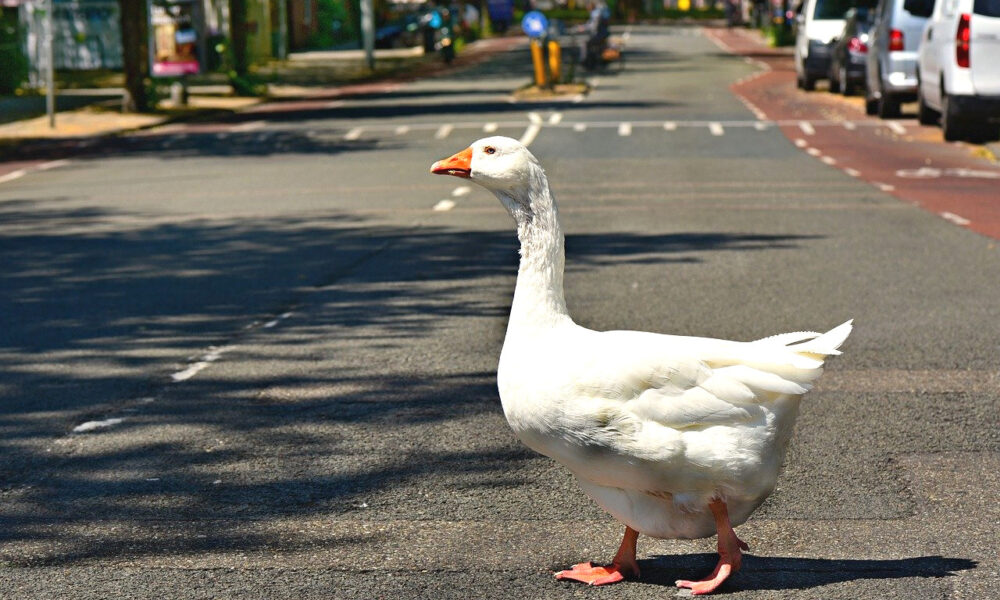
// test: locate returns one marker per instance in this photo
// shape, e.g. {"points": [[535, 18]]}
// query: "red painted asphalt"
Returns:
{"points": [[906, 159]]}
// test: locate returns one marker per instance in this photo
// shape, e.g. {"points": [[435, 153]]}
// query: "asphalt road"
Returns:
{"points": [[283, 355]]}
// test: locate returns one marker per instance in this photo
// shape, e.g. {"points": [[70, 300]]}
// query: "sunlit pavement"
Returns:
{"points": [[255, 357]]}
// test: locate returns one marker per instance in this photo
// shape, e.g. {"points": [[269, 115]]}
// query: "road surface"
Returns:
{"points": [[255, 358]]}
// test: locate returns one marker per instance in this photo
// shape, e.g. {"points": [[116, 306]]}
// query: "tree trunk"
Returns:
{"points": [[135, 54], [238, 36]]}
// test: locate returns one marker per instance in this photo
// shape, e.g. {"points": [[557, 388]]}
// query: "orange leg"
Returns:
{"points": [[624, 565], [730, 556]]}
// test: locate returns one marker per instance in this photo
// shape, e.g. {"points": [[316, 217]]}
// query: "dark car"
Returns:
{"points": [[849, 52]]}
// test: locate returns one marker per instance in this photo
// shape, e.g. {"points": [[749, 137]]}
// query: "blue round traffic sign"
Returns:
{"points": [[534, 24]]}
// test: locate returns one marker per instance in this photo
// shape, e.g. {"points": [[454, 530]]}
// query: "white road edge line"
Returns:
{"points": [[852, 172], [670, 126]]}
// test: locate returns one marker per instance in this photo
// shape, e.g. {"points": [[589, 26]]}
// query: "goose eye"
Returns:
{"points": [[490, 150]]}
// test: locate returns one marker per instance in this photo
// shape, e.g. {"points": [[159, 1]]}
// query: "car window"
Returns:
{"points": [[831, 9], [987, 8]]}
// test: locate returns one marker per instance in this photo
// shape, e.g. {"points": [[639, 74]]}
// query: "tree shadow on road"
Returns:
{"points": [[99, 307]]}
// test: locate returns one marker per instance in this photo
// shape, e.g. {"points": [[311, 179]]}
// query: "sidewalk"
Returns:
{"points": [[97, 119]]}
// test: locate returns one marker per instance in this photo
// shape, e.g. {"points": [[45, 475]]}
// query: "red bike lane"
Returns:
{"points": [[899, 156]]}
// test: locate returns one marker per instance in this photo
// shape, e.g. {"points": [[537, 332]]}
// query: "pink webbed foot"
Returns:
{"points": [[730, 555], [591, 575]]}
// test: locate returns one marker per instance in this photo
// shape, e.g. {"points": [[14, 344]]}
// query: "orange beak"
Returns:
{"points": [[459, 165]]}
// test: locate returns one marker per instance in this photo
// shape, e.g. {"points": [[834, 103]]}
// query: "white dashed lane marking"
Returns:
{"points": [[443, 131], [807, 128], [354, 134], [716, 128], [624, 129]]}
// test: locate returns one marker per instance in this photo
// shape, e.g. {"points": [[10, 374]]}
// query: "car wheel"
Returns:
{"points": [[925, 114], [846, 86], [888, 106], [871, 105], [834, 80], [808, 82], [953, 126]]}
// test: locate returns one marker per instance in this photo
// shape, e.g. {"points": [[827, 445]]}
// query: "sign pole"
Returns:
{"points": [[50, 70], [368, 32]]}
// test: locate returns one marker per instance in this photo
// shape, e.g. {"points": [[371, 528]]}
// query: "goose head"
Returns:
{"points": [[504, 166]]}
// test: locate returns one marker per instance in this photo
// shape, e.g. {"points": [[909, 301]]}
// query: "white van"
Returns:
{"points": [[959, 66], [817, 22]]}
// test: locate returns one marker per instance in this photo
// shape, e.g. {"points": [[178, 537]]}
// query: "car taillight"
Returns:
{"points": [[963, 37], [856, 45], [895, 40]]}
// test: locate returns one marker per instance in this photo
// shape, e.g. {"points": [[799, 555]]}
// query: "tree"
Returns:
{"points": [[135, 54], [238, 36]]}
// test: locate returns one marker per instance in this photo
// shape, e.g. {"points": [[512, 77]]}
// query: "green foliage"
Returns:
{"points": [[13, 63], [328, 13], [778, 35]]}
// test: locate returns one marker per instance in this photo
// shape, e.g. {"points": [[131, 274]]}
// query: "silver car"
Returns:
{"points": [[891, 69]]}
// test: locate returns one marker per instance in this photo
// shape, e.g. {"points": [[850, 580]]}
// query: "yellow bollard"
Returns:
{"points": [[536, 59], [555, 61]]}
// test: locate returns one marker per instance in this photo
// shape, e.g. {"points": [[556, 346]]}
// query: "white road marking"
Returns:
{"points": [[555, 118], [52, 164], [760, 125], [670, 126], [444, 205], [807, 128], [850, 126], [885, 187], [896, 127], [490, 127], [801, 143], [577, 98], [955, 218], [829, 160], [249, 126], [852, 172], [402, 130], [535, 118], [624, 129], [334, 104], [579, 127], [462, 190], [813, 152], [95, 425], [716, 128], [189, 372], [354, 134], [13, 175], [443, 131], [530, 134]]}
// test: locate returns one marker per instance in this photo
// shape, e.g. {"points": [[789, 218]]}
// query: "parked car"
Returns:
{"points": [[817, 22], [958, 68], [891, 69], [849, 52]]}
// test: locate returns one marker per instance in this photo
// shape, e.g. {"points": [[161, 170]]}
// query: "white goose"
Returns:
{"points": [[676, 437]]}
